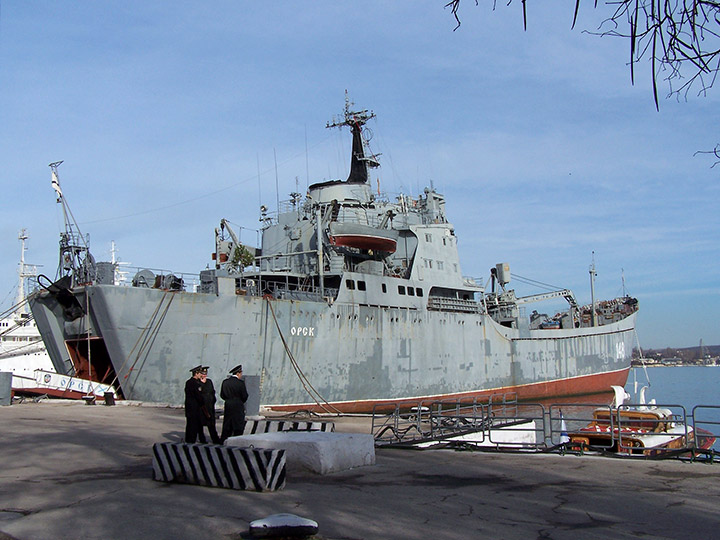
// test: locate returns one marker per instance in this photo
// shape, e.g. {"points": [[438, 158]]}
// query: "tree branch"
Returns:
{"points": [[680, 38]]}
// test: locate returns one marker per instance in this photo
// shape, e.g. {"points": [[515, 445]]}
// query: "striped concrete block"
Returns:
{"points": [[268, 425], [219, 466]]}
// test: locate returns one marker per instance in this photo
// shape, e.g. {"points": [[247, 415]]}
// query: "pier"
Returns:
{"points": [[77, 471]]}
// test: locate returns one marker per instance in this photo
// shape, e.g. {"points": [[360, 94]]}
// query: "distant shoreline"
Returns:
{"points": [[675, 365]]}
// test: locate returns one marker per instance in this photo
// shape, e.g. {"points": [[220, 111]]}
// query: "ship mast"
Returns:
{"points": [[593, 275], [361, 160], [25, 271]]}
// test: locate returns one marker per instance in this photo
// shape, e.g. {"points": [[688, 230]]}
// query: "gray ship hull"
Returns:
{"points": [[316, 356]]}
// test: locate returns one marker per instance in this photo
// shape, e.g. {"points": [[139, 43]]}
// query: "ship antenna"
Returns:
{"points": [[307, 162], [259, 187], [277, 186], [593, 275]]}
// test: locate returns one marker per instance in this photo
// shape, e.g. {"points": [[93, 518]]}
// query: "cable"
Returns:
{"points": [[529, 281], [314, 394]]}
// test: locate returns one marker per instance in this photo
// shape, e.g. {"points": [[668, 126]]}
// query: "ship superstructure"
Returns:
{"points": [[350, 301]]}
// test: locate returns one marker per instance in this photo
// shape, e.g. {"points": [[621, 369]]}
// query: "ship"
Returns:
{"points": [[354, 301], [22, 350]]}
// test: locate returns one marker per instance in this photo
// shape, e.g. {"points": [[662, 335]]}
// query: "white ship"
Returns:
{"points": [[22, 351]]}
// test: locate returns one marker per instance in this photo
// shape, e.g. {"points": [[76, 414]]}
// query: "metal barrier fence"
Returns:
{"points": [[705, 423], [501, 422]]}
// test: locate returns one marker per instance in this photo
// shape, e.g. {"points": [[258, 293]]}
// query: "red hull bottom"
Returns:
{"points": [[564, 388]]}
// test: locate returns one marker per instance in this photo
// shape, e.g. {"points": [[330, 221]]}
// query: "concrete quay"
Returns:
{"points": [[72, 470]]}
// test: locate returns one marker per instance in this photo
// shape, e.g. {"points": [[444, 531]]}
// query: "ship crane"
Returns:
{"points": [[565, 293], [76, 261], [228, 252]]}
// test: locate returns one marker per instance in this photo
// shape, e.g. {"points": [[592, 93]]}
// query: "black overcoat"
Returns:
{"points": [[209, 398], [194, 399], [235, 394]]}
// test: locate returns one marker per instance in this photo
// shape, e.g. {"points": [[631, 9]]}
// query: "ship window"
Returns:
{"points": [[384, 288], [411, 291], [350, 284], [428, 237], [361, 285], [401, 289], [419, 291], [440, 265]]}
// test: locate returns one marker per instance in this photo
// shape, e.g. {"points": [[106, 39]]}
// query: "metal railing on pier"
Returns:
{"points": [[503, 423], [432, 422]]}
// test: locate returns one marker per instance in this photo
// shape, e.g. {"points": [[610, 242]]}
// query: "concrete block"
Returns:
{"points": [[219, 466], [270, 425], [315, 451]]}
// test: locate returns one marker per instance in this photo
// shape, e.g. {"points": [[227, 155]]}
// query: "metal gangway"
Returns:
{"points": [[494, 422]]}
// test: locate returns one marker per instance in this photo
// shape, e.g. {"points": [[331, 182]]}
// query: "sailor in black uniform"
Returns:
{"points": [[208, 392], [194, 405], [235, 394]]}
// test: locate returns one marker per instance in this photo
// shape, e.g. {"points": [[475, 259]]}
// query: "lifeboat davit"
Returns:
{"points": [[357, 235]]}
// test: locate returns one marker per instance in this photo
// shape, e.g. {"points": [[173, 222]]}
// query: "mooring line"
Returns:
{"points": [[303, 378]]}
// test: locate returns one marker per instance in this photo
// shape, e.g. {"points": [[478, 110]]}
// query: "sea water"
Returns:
{"points": [[678, 385], [694, 388]]}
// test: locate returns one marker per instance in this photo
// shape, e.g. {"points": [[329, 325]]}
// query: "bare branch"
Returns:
{"points": [[715, 152], [680, 38]]}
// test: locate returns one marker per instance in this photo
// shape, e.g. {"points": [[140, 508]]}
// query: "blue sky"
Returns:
{"points": [[165, 112]]}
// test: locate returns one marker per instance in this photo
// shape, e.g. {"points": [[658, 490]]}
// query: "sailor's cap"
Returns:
{"points": [[196, 369], [237, 368]]}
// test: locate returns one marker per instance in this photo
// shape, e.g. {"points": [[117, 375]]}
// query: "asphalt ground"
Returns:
{"points": [[71, 470]]}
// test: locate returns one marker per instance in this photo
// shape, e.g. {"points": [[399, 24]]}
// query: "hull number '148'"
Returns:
{"points": [[308, 331]]}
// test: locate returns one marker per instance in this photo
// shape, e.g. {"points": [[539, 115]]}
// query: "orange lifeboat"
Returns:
{"points": [[357, 235]]}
